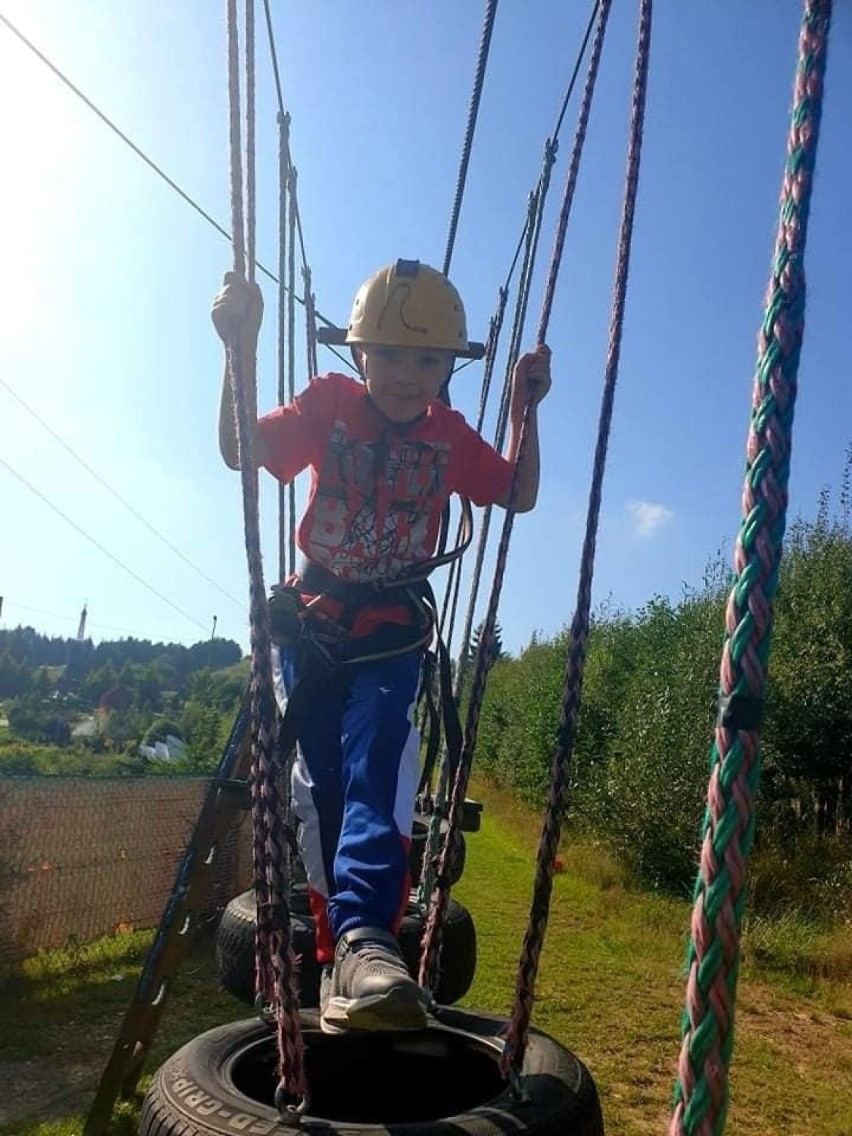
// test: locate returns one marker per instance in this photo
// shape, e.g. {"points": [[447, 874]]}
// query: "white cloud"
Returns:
{"points": [[648, 517]]}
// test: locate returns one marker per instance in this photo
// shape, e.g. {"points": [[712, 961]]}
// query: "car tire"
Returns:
{"points": [[235, 960], [440, 1080]]}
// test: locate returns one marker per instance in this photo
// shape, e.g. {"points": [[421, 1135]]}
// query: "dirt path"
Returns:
{"points": [[42, 1090]]}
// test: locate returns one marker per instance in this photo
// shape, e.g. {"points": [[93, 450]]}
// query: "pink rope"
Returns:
{"points": [[275, 961], [518, 1029]]}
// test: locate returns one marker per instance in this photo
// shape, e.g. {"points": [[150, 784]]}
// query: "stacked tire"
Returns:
{"points": [[235, 938], [235, 956], [442, 1080]]}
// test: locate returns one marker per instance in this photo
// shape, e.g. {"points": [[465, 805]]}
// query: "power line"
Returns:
{"points": [[71, 618], [139, 579], [118, 496], [116, 130], [136, 149], [162, 174]]}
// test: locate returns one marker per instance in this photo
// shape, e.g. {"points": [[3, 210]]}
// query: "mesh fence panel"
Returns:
{"points": [[83, 858]]}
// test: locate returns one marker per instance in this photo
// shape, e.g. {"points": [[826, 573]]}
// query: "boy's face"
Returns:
{"points": [[402, 381]]}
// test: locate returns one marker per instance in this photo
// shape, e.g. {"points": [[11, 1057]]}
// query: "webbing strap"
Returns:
{"points": [[451, 720]]}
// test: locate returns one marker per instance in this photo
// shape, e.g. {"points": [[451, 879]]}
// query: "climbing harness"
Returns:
{"points": [[298, 620]]}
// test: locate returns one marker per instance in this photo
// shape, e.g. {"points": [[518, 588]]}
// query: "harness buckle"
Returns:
{"points": [[286, 608]]}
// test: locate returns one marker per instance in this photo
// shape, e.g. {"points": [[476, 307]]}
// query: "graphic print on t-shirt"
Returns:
{"points": [[377, 504]]}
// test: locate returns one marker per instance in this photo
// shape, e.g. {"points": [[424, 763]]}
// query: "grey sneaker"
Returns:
{"points": [[370, 987]]}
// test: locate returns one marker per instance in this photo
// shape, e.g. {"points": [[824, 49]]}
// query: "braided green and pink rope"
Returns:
{"points": [[701, 1092]]}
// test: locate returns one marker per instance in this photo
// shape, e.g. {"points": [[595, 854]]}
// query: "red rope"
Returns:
{"points": [[518, 1030], [275, 962]]}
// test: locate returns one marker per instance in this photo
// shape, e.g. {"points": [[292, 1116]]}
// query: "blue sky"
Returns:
{"points": [[108, 276]]}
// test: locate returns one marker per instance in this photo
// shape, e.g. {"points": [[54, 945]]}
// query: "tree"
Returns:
{"points": [[42, 683], [14, 678], [119, 728], [149, 690], [495, 652], [203, 735], [30, 717], [98, 682], [808, 736]]}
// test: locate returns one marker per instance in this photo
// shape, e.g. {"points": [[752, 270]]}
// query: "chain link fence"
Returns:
{"points": [[83, 858]]}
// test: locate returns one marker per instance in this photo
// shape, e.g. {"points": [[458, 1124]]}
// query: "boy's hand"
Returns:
{"points": [[531, 380], [237, 309]]}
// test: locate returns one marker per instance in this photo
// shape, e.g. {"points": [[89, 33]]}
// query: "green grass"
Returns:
{"points": [[66, 1009], [610, 988]]}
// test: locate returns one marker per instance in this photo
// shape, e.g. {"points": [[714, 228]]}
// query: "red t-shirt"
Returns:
{"points": [[377, 487]]}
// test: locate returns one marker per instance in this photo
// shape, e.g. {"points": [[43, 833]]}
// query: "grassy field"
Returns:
{"points": [[610, 987]]}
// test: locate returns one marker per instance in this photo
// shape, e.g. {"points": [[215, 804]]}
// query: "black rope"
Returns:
{"points": [[500, 430], [291, 354], [280, 97], [283, 228], [573, 80], [450, 598], [473, 112], [451, 593]]}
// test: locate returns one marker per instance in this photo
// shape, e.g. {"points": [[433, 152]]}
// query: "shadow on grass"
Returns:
{"points": [[66, 1009]]}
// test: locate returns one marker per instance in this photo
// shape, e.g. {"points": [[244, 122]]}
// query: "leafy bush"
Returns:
{"points": [[27, 759], [640, 763]]}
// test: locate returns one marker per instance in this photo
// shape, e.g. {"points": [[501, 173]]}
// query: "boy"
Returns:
{"points": [[384, 455]]}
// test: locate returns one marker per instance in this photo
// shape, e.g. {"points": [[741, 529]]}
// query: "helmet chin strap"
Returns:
{"points": [[358, 359]]}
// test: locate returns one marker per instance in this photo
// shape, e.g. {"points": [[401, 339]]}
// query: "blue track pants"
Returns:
{"points": [[354, 783]]}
